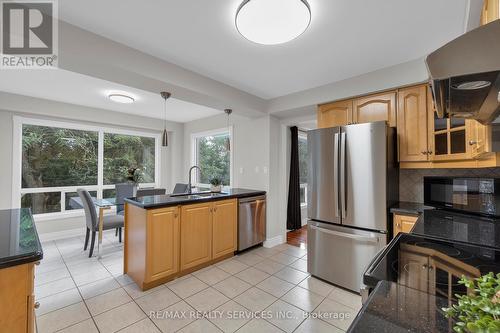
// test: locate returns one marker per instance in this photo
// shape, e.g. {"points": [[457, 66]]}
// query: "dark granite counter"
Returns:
{"points": [[409, 208], [158, 201], [19, 242], [456, 227], [393, 308]]}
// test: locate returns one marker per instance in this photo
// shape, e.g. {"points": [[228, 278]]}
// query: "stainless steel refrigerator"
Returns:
{"points": [[353, 180]]}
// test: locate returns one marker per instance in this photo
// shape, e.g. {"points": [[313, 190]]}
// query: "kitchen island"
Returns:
{"points": [[167, 236], [20, 249]]}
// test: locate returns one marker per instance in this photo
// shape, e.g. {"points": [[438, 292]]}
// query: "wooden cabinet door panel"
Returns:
{"points": [[375, 108], [15, 298], [478, 138], [403, 223], [335, 114], [413, 271], [196, 235], [163, 243], [224, 228], [412, 124], [491, 11]]}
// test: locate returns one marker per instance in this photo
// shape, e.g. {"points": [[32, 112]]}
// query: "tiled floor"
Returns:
{"points": [[263, 290]]}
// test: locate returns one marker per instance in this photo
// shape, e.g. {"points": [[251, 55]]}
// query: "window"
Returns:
{"points": [[210, 153], [303, 167], [55, 159]]}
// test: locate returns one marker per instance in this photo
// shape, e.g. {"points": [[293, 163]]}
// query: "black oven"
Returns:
{"points": [[470, 195]]}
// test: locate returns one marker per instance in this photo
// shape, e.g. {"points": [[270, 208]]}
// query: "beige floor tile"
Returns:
{"points": [[232, 266], [300, 265], [91, 276], [317, 286], [265, 252], [283, 258], [281, 247], [51, 265], [143, 326], [118, 318], [107, 301], [174, 317], [98, 287], [233, 316], [295, 251], [275, 286], [346, 297], [62, 318], [124, 279], [135, 292], [42, 278], [255, 299], [53, 288], [252, 275], [249, 259], [58, 301], [187, 287], [212, 276], [303, 298], [336, 314], [294, 316], [269, 266], [157, 300], [116, 269], [86, 326], [260, 326], [232, 286], [311, 325], [207, 300], [291, 275], [200, 326]]}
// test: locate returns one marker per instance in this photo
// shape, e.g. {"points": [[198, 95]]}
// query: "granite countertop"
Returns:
{"points": [[19, 242], [157, 201], [409, 208], [393, 308]]}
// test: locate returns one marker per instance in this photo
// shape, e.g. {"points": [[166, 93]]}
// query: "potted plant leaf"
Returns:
{"points": [[133, 175], [216, 185], [479, 311]]}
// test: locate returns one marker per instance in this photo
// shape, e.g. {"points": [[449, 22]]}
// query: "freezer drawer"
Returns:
{"points": [[251, 222], [340, 254]]}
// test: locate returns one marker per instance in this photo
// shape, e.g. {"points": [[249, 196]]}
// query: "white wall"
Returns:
{"points": [[12, 105]]}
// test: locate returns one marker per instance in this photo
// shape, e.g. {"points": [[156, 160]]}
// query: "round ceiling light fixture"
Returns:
{"points": [[121, 98], [272, 22]]}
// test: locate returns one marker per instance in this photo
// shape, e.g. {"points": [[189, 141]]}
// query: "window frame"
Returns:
{"points": [[18, 191], [303, 135], [194, 153]]}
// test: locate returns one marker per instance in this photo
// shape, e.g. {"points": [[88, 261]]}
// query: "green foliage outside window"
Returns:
{"points": [[213, 159]]}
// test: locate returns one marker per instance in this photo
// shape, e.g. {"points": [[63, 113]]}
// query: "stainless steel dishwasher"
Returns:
{"points": [[251, 221]]}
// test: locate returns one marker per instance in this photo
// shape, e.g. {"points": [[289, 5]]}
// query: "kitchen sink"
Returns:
{"points": [[199, 195]]}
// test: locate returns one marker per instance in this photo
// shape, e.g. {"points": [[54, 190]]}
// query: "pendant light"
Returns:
{"points": [[165, 95], [228, 139]]}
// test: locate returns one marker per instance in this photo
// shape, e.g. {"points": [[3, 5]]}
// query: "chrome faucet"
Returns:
{"points": [[189, 176]]}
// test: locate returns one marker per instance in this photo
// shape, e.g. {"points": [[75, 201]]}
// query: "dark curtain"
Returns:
{"points": [[293, 218]]}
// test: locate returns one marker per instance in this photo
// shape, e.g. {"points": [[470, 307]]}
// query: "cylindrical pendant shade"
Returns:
{"points": [[164, 141]]}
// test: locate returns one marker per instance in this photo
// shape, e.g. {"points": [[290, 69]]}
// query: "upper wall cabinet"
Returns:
{"points": [[491, 11], [335, 114], [375, 108]]}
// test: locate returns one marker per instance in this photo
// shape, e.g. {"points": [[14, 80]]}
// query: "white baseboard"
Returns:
{"points": [[50, 236], [271, 242]]}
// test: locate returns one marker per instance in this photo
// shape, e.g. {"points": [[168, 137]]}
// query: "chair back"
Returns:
{"points": [[89, 208], [150, 191], [124, 190], [180, 188]]}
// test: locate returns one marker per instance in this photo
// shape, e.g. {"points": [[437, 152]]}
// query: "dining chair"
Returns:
{"points": [[180, 188], [144, 192], [124, 190], [109, 221]]}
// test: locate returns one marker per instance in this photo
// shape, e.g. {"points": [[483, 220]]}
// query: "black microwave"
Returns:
{"points": [[465, 194]]}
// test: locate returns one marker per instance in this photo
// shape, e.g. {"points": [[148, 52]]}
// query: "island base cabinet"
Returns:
{"points": [[17, 301], [224, 228], [196, 235]]}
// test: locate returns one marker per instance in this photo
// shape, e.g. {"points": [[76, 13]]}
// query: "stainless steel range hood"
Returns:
{"points": [[465, 75]]}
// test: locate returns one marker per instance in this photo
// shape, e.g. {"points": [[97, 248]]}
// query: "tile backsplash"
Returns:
{"points": [[411, 181]]}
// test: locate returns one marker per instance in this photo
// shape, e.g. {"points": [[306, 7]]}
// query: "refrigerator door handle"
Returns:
{"points": [[335, 173], [346, 235], [343, 196]]}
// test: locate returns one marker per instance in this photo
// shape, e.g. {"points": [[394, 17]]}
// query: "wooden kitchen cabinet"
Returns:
{"points": [[17, 304], [412, 124], [491, 11], [196, 235], [224, 228], [403, 223], [378, 107], [335, 114]]}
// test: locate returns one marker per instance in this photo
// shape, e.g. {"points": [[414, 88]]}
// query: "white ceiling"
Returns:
{"points": [[346, 38], [69, 87]]}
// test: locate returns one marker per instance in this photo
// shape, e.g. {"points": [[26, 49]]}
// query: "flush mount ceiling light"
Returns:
{"points": [[121, 98], [271, 22]]}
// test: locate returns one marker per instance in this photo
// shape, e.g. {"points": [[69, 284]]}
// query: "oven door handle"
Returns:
{"points": [[370, 267]]}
